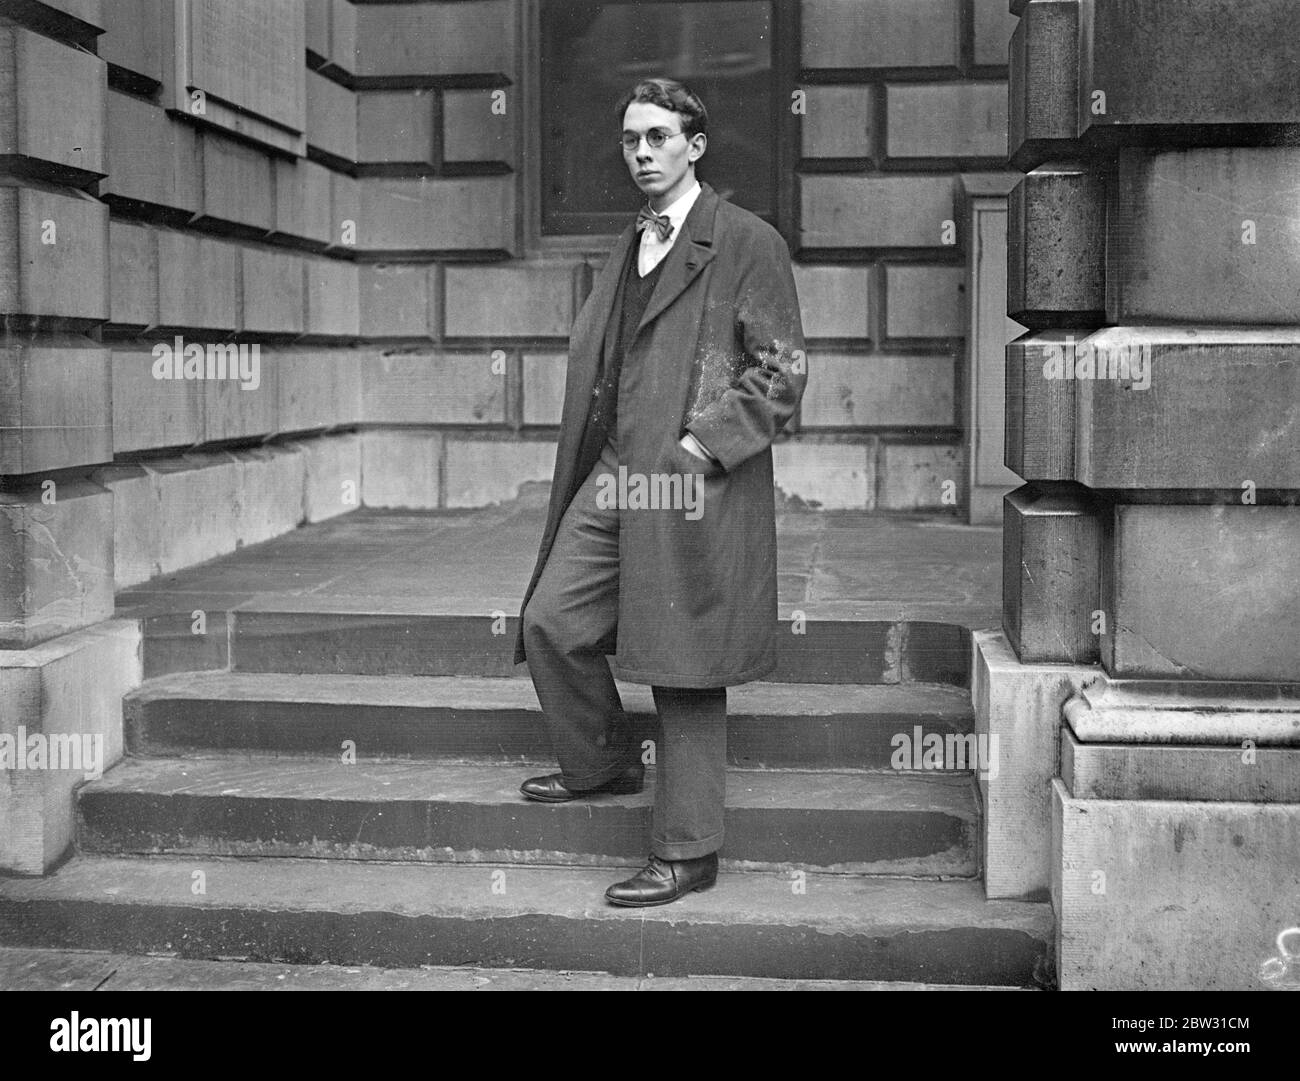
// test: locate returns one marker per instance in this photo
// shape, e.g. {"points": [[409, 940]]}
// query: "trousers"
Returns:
{"points": [[569, 625]]}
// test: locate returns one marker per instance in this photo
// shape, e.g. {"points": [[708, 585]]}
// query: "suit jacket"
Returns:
{"points": [[718, 352]]}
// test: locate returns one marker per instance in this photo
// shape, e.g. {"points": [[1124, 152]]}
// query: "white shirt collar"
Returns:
{"points": [[680, 208]]}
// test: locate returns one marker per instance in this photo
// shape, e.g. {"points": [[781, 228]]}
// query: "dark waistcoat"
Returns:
{"points": [[633, 295]]}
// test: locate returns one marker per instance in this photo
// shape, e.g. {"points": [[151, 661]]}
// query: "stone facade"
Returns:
{"points": [[1148, 679]]}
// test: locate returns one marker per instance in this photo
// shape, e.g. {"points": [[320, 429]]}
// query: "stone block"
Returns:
{"points": [[318, 388], [198, 283], [521, 300], [435, 39], [55, 403], [150, 413], [1182, 772], [238, 188], [396, 127], [480, 472], [303, 201], [331, 117], [880, 33], [76, 20], [1020, 705], [64, 697], [1169, 895], [1056, 248], [1175, 407], [345, 213], [270, 493], [992, 30], [1051, 573], [331, 291], [153, 160], [434, 388], [1043, 93], [331, 475], [137, 529], [472, 131], [273, 284], [838, 122], [925, 301], [947, 120], [53, 254], [920, 476], [243, 402], [198, 497], [396, 301], [343, 35], [543, 387], [1040, 405], [875, 212], [132, 275], [133, 37], [1203, 592], [1203, 236], [847, 391], [56, 560], [1158, 63], [434, 215], [400, 469], [316, 14], [826, 476], [834, 301], [52, 108]]}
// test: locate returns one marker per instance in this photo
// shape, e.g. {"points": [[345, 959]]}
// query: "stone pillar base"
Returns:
{"points": [[60, 721], [1176, 836], [1020, 704], [1157, 895]]}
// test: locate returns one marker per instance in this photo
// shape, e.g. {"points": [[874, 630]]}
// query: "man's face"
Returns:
{"points": [[665, 172]]}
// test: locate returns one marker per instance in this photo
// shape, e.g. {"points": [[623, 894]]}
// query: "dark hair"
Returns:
{"points": [[672, 95]]}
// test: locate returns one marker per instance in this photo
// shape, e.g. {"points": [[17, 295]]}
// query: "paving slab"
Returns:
{"points": [[68, 970]]}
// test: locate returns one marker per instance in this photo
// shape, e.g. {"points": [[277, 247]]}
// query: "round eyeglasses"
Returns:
{"points": [[655, 137]]}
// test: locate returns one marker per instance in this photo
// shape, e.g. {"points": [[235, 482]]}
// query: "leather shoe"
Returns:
{"points": [[660, 881], [550, 788]]}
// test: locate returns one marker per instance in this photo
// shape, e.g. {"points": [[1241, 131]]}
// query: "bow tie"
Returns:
{"points": [[662, 223]]}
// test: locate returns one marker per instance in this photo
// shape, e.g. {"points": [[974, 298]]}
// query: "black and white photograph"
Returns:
{"points": [[680, 495]]}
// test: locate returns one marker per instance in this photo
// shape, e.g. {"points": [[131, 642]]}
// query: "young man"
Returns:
{"points": [[684, 363]]}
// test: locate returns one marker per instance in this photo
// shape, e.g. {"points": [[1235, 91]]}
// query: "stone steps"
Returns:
{"points": [[405, 915], [361, 636], [769, 725], [430, 811]]}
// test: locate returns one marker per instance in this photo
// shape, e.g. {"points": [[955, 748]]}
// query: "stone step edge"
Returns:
{"points": [[497, 692], [391, 915]]}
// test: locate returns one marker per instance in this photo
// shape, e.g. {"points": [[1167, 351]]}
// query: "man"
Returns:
{"points": [[684, 363]]}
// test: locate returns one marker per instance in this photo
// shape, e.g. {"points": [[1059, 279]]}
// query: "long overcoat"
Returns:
{"points": [[719, 352]]}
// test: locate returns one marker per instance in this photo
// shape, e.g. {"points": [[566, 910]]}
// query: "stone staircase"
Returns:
{"points": [[345, 791]]}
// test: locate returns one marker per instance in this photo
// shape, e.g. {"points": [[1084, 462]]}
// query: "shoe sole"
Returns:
{"points": [[655, 904]]}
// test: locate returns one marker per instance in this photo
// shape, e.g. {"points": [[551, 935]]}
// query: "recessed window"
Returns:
{"points": [[593, 51]]}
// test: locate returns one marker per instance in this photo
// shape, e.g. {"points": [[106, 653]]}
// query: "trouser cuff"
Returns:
{"points": [[685, 850], [595, 780]]}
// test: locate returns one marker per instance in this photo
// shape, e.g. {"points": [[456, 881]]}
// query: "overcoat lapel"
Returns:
{"points": [[684, 262], [591, 342]]}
